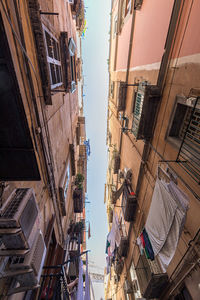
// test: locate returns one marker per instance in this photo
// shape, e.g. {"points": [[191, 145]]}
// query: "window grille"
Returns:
{"points": [[189, 151]]}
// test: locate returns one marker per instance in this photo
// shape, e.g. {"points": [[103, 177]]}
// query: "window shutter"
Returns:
{"points": [[65, 59], [34, 13]]}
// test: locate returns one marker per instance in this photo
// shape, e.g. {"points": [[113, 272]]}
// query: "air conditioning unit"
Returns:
{"points": [[150, 277], [32, 262], [20, 211]]}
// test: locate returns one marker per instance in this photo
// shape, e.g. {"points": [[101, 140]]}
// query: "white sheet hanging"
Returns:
{"points": [[165, 220], [80, 281], [114, 235]]}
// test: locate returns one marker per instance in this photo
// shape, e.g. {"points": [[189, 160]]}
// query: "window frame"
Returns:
{"points": [[175, 140], [53, 60], [72, 50]]}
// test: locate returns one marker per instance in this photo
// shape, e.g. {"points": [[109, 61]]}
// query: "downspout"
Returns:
{"points": [[128, 64], [109, 71], [126, 81]]}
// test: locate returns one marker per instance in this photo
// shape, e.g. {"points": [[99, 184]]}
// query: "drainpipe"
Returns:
{"points": [[128, 63], [126, 81]]}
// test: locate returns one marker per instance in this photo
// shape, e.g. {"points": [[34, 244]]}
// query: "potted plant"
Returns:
{"points": [[79, 181]]}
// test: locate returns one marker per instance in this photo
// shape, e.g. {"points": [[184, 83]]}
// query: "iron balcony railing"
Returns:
{"points": [[53, 284], [189, 152]]}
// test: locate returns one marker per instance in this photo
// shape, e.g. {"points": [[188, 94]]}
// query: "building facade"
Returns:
{"points": [[43, 154], [153, 142]]}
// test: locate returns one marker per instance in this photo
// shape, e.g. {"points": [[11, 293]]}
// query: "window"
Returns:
{"points": [[184, 132], [64, 187], [125, 10], [53, 58], [181, 121], [128, 7], [72, 48]]}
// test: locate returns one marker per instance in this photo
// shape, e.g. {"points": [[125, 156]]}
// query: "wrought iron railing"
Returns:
{"points": [[53, 283], [189, 152]]}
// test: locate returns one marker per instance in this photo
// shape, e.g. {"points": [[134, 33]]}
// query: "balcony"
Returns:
{"points": [[129, 203], [77, 230], [145, 108], [78, 200], [116, 163], [121, 100], [118, 266], [123, 246], [151, 279]]}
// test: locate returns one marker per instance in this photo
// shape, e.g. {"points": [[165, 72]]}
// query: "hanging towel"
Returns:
{"points": [[165, 220], [80, 281]]}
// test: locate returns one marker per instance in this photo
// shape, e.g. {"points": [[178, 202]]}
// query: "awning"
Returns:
{"points": [[166, 220]]}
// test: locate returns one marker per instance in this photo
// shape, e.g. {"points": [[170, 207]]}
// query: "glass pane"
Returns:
{"points": [[56, 50], [53, 74], [72, 67], [58, 73], [49, 44]]}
